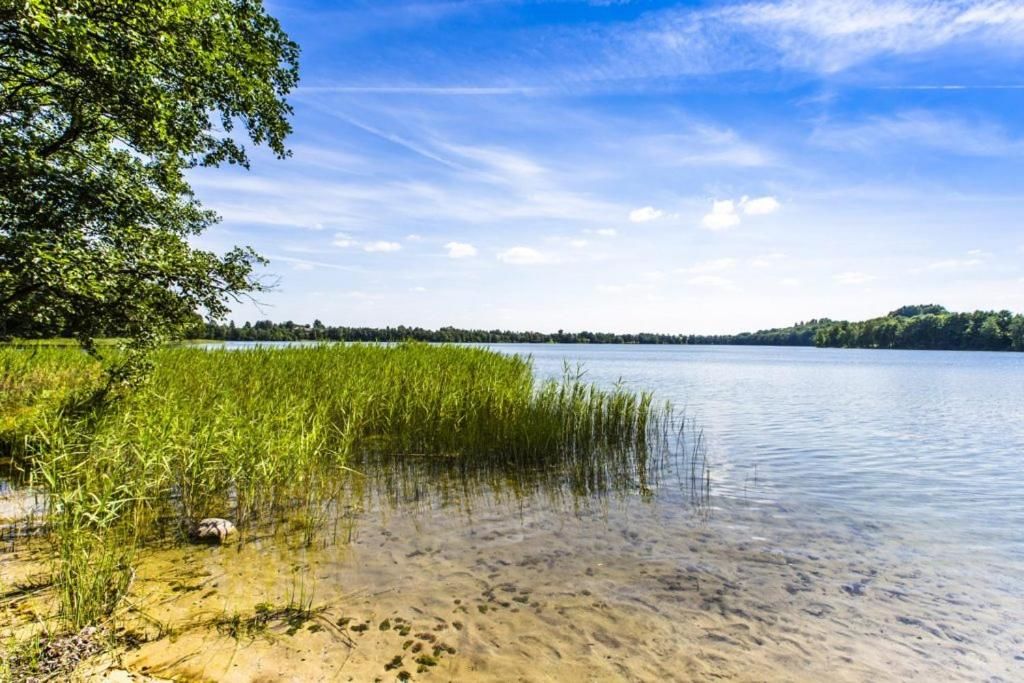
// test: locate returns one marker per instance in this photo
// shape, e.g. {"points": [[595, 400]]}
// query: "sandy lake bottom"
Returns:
{"points": [[540, 589]]}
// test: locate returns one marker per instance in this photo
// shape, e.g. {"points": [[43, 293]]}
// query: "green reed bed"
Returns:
{"points": [[261, 434], [36, 383]]}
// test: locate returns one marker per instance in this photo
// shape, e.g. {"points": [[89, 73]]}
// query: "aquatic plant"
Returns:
{"points": [[270, 435]]}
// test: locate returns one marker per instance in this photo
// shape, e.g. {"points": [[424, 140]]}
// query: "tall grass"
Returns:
{"points": [[35, 384], [255, 435]]}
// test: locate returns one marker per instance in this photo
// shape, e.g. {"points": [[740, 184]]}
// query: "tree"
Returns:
{"points": [[918, 309], [104, 105]]}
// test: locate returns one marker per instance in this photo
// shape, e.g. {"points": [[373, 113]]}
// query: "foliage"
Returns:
{"points": [[104, 105], [801, 334], [918, 309], [265, 330], [930, 327], [798, 334]]}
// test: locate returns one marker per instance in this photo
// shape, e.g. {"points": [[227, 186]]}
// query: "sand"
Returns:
{"points": [[629, 591]]}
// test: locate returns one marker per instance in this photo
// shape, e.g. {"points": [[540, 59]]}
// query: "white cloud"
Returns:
{"points": [[578, 244], [715, 281], [712, 266], [830, 36], [306, 264], [760, 206], [723, 215], [417, 289], [789, 282], [381, 246], [853, 278], [413, 238], [610, 232], [823, 36], [524, 256], [645, 214], [460, 250], [342, 239]]}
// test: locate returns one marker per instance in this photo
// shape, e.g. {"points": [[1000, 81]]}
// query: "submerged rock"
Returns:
{"points": [[214, 530]]}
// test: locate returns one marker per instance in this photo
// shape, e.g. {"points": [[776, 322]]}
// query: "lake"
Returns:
{"points": [[929, 442], [864, 522]]}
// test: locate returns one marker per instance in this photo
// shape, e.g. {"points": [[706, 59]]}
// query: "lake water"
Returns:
{"points": [[928, 441], [865, 522]]}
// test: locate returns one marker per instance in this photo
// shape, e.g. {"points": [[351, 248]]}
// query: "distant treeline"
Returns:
{"points": [[929, 327], [911, 327], [801, 334]]}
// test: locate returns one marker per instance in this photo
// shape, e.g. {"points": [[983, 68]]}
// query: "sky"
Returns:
{"points": [[624, 166]]}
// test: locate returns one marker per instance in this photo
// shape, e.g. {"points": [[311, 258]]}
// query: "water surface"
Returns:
{"points": [[923, 441]]}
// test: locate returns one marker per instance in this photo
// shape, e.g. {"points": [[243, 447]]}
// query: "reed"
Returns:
{"points": [[266, 434]]}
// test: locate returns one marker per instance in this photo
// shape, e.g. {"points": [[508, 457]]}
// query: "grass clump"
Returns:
{"points": [[263, 434]]}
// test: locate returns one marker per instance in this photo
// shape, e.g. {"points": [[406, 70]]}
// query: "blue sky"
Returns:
{"points": [[644, 165]]}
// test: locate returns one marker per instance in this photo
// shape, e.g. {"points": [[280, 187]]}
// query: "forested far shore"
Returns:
{"points": [[926, 326], [801, 334], [929, 327]]}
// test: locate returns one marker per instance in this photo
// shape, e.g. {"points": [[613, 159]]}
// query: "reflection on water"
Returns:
{"points": [[673, 455], [863, 523]]}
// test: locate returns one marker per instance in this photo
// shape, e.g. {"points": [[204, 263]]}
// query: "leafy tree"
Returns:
{"points": [[930, 327], [104, 105], [918, 309]]}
